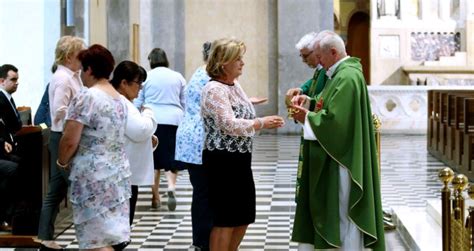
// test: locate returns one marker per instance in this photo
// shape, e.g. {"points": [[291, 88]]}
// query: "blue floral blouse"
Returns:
{"points": [[190, 134]]}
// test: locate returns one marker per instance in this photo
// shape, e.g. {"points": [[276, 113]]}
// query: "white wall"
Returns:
{"points": [[29, 31]]}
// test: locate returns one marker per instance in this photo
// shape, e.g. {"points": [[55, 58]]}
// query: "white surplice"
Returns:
{"points": [[351, 236]]}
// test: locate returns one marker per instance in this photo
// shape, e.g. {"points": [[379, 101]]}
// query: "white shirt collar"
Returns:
{"points": [[333, 68], [8, 95], [319, 67], [69, 71]]}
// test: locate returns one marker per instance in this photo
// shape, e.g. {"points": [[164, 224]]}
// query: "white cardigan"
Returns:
{"points": [[140, 127]]}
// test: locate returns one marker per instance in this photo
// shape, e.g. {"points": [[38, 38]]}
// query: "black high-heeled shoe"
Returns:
{"points": [[120, 246], [46, 248]]}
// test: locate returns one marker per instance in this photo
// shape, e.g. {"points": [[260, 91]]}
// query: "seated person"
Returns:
{"points": [[8, 172]]}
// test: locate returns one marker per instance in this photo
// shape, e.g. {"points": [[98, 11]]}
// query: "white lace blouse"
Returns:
{"points": [[228, 117]]}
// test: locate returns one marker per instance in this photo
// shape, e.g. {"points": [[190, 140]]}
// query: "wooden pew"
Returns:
{"points": [[443, 121], [451, 128], [435, 122], [467, 155], [430, 118], [454, 131], [32, 148]]}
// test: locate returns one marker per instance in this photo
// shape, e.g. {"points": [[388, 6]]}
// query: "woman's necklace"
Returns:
{"points": [[222, 82]]}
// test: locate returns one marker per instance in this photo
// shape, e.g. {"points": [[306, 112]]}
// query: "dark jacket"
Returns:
{"points": [[9, 116], [42, 114]]}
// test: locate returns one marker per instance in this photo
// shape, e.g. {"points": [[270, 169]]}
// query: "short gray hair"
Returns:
{"points": [[333, 41], [307, 41], [323, 34]]}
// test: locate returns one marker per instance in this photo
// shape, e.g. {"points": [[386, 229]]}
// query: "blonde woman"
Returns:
{"points": [[64, 86], [229, 123]]}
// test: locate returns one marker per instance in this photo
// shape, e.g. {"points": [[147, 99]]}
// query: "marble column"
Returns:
{"points": [[98, 22], [295, 19], [444, 9], [118, 29], [426, 10], [409, 11], [168, 31], [469, 32], [373, 10], [81, 19], [146, 35], [462, 9], [469, 9]]}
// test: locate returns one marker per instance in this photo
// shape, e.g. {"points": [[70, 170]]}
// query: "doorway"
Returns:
{"points": [[358, 40]]}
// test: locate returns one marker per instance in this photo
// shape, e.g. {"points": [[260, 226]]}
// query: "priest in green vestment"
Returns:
{"points": [[339, 203], [306, 46]]}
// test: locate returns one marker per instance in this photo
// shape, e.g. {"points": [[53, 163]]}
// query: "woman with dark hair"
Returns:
{"points": [[163, 92], [93, 147], [127, 80], [157, 58]]}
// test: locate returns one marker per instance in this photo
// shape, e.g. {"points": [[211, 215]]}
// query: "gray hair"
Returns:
{"points": [[323, 34], [307, 41], [332, 40], [206, 49]]}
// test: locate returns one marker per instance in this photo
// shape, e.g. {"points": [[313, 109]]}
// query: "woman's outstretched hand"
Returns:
{"points": [[258, 100]]}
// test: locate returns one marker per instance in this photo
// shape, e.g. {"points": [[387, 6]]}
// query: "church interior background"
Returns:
{"points": [[408, 48]]}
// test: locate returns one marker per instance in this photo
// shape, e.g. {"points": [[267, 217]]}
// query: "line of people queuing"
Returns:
{"points": [[102, 145]]}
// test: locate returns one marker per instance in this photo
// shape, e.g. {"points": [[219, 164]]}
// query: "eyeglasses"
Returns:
{"points": [[304, 56], [139, 83]]}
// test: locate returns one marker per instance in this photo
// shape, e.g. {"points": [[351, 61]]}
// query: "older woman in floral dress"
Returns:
{"points": [[94, 144]]}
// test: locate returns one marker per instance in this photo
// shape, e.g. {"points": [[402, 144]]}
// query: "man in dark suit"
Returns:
{"points": [[8, 174], [8, 85], [10, 123]]}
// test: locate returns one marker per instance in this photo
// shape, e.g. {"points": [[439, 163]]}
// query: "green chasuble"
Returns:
{"points": [[345, 137], [314, 86], [311, 88]]}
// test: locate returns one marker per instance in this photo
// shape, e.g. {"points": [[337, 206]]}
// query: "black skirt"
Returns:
{"points": [[163, 156], [231, 187]]}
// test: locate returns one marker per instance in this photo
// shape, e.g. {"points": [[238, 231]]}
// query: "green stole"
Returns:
{"points": [[317, 85], [346, 138]]}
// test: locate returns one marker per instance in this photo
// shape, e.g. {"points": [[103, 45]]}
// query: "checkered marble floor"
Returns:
{"points": [[409, 177]]}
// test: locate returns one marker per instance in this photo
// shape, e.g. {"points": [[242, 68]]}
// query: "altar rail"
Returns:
{"points": [[457, 227]]}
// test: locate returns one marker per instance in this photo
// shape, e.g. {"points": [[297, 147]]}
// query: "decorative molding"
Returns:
{"points": [[430, 46], [403, 109]]}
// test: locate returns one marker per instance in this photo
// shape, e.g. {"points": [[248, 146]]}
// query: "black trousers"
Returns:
{"points": [[201, 215], [8, 176], [133, 202]]}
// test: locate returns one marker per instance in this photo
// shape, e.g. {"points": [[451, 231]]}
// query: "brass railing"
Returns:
{"points": [[387, 217], [457, 230]]}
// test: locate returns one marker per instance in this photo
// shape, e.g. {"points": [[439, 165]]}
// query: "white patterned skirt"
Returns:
{"points": [[107, 229]]}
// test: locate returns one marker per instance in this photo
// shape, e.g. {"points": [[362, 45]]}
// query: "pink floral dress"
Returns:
{"points": [[100, 171]]}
